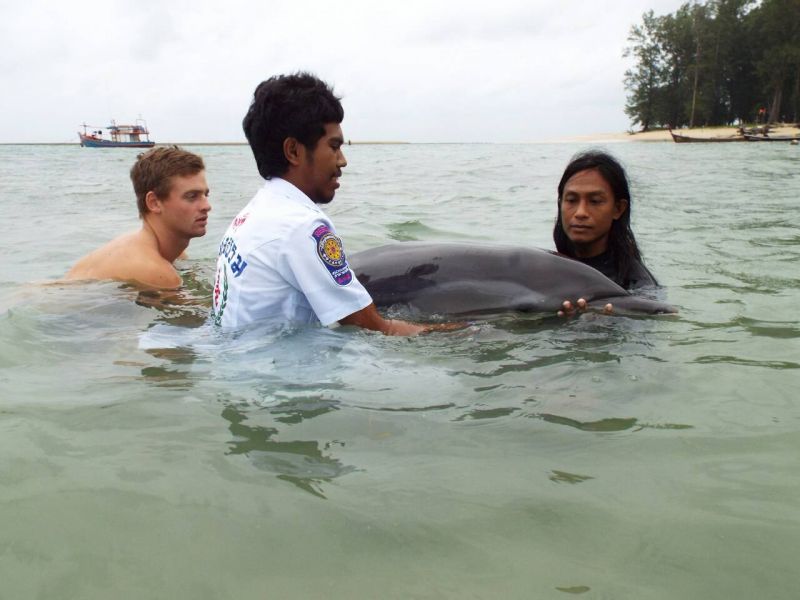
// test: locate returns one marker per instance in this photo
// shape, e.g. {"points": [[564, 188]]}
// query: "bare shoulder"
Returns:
{"points": [[153, 272], [130, 257]]}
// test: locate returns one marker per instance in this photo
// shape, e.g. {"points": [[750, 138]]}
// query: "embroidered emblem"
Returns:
{"points": [[239, 221], [218, 304], [330, 250], [331, 253]]}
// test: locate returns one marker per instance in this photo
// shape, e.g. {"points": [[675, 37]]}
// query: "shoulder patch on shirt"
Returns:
{"points": [[331, 253]]}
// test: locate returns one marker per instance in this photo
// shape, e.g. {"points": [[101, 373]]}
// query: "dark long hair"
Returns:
{"points": [[621, 241], [297, 105]]}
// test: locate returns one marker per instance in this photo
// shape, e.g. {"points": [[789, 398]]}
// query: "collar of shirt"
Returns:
{"points": [[281, 187]]}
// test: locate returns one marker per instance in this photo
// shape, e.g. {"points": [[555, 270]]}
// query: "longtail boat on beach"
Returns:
{"points": [[771, 138], [122, 136], [685, 139]]}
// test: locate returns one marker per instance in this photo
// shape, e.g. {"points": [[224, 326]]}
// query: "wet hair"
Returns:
{"points": [[621, 241], [298, 106], [154, 169]]}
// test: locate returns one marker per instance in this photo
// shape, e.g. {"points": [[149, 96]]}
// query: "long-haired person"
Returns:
{"points": [[593, 224]]}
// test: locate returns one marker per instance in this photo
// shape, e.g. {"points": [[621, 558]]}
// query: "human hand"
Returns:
{"points": [[408, 328], [446, 326], [568, 309]]}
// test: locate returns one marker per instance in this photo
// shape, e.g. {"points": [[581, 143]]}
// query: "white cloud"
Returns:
{"points": [[419, 71]]}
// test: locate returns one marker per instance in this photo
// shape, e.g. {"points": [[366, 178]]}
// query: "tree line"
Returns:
{"points": [[718, 62]]}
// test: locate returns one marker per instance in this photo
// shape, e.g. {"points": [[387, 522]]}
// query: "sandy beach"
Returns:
{"points": [[662, 135]]}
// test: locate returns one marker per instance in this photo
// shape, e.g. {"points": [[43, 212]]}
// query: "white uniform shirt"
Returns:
{"points": [[280, 259]]}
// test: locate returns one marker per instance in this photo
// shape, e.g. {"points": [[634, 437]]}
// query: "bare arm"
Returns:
{"points": [[370, 318]]}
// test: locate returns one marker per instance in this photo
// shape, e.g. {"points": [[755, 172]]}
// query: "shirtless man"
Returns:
{"points": [[172, 197]]}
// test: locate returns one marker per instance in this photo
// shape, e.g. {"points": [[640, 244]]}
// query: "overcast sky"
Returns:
{"points": [[419, 71]]}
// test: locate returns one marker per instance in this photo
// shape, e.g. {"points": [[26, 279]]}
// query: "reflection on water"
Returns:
{"points": [[177, 377], [606, 425], [612, 424], [574, 589], [295, 411], [745, 362], [488, 413], [300, 462], [564, 477], [187, 307]]}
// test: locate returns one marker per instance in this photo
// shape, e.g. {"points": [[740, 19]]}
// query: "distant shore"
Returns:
{"points": [[353, 143], [663, 135], [659, 135]]}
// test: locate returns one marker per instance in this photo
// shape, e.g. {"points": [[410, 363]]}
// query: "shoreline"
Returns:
{"points": [[663, 135], [658, 135]]}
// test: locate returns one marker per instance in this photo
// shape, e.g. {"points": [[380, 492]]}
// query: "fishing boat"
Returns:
{"points": [[685, 139], [770, 138], [122, 136]]}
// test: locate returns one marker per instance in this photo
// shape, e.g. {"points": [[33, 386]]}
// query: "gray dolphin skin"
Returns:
{"points": [[460, 279]]}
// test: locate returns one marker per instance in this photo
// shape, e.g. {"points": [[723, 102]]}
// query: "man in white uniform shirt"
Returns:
{"points": [[280, 259]]}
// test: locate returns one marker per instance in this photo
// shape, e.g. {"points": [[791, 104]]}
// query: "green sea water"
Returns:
{"points": [[146, 454]]}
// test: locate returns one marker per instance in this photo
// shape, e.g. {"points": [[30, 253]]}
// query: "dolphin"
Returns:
{"points": [[460, 279]]}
